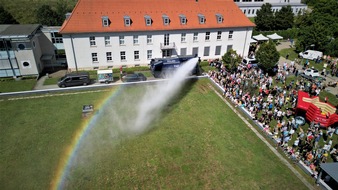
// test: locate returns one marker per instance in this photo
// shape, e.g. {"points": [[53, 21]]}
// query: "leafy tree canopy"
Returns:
{"points": [[231, 59], [46, 16], [264, 18], [267, 55], [6, 17], [320, 27], [284, 18]]}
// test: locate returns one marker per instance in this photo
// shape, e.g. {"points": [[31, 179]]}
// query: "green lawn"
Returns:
{"points": [[179, 151], [50, 81], [15, 86]]}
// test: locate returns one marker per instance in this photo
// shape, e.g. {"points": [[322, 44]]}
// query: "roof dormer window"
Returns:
{"points": [[127, 20], [147, 19], [183, 19], [105, 21], [201, 19], [219, 18], [165, 20]]}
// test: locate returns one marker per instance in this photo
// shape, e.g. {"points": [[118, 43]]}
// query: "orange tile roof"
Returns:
{"points": [[87, 15]]}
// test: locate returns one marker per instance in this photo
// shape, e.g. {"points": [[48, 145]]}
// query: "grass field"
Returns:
{"points": [[196, 143], [12, 85]]}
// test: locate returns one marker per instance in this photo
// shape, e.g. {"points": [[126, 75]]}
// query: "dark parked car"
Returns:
{"points": [[134, 77], [74, 79]]}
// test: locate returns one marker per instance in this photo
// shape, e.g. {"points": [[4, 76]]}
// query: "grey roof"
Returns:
{"points": [[18, 30], [331, 169]]}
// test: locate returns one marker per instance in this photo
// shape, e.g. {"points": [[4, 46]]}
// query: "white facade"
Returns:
{"points": [[24, 50], [106, 50], [250, 7]]}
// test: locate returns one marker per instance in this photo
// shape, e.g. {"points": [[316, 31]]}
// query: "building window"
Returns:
{"points": [[127, 20], [26, 64], [149, 54], [165, 20], [92, 40], [135, 39], [229, 47], [147, 20], [109, 56], [183, 37], [195, 51], [183, 19], [201, 18], [253, 11], [206, 51], [195, 38], [231, 34], [218, 50], [219, 18], [207, 36], [149, 39], [105, 21], [107, 40], [219, 35], [183, 51], [56, 38], [94, 57], [137, 55], [249, 11], [123, 56], [121, 40]]}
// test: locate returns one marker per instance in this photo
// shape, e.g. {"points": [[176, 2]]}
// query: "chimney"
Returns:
{"points": [[68, 15]]}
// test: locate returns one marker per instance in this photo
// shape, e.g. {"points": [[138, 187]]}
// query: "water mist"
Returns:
{"points": [[125, 115]]}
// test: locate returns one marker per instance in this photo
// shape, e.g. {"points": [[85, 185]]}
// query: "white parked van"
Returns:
{"points": [[105, 76], [311, 54]]}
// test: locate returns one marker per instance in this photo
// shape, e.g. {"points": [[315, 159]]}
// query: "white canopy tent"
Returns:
{"points": [[260, 37], [275, 37], [252, 41]]}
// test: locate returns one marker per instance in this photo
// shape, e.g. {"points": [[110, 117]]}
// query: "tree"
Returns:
{"points": [[231, 59], [267, 55], [61, 10], [6, 17], [264, 18], [46, 16], [319, 27], [284, 18]]}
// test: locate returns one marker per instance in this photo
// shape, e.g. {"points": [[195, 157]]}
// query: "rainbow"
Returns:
{"points": [[69, 154]]}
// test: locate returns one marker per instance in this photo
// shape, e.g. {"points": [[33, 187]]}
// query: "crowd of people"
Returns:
{"points": [[271, 101]]}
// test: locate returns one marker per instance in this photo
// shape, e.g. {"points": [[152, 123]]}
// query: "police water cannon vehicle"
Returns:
{"points": [[163, 67]]}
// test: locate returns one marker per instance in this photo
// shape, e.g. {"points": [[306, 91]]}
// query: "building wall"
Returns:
{"points": [[250, 8], [80, 45], [26, 57]]}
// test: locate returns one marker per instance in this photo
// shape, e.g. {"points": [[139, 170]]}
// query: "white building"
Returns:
{"points": [[24, 50], [250, 7], [114, 33]]}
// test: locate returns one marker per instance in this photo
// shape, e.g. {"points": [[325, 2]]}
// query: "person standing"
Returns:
{"points": [[121, 72]]}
